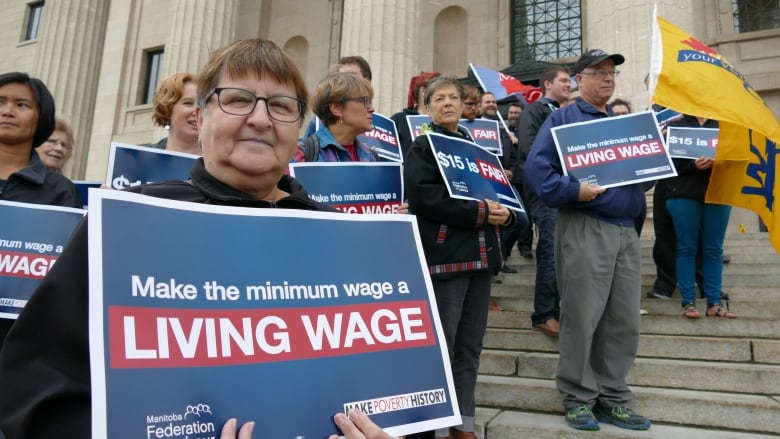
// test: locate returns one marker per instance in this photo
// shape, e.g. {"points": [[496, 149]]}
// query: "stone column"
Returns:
{"points": [[385, 33], [198, 27], [68, 61]]}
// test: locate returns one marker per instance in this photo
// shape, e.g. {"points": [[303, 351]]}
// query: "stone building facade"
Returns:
{"points": [[95, 55]]}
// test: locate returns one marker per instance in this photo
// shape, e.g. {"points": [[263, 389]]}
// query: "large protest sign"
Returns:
{"points": [[614, 151], [277, 316], [471, 172], [131, 165], [485, 133], [31, 240], [383, 139], [355, 187], [691, 143]]}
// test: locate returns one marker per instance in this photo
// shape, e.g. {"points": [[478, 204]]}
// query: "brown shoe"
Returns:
{"points": [[493, 306], [457, 434], [550, 327]]}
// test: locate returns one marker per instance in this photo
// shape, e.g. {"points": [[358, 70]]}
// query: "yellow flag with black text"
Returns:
{"points": [[691, 78]]}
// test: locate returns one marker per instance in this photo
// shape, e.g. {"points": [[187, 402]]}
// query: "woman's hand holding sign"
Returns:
{"points": [[356, 426], [498, 214], [229, 430], [704, 163]]}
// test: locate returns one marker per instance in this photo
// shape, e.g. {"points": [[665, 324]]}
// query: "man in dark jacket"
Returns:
{"points": [[555, 84], [597, 255]]}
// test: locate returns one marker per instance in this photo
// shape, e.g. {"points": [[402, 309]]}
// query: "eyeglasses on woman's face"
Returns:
{"points": [[240, 102], [365, 100]]}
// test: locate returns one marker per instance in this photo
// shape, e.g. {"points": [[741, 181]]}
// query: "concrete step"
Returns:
{"points": [[759, 266], [713, 410], [747, 277], [652, 346], [513, 289], [712, 378], [670, 325], [662, 373], [672, 307], [510, 424]]}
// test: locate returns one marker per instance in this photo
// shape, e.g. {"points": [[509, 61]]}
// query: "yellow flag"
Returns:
{"points": [[745, 173], [691, 78]]}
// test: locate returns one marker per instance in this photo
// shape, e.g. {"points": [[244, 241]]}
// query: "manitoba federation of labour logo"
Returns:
{"points": [[195, 423]]}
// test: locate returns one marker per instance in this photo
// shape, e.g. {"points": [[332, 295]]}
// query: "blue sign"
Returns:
{"points": [[383, 139], [31, 240], [666, 116], [353, 187], [83, 189], [131, 165], [277, 316], [614, 151], [485, 133], [415, 123], [691, 143], [471, 172]]}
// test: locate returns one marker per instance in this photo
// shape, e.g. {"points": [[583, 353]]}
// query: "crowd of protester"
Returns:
{"points": [[467, 244]]}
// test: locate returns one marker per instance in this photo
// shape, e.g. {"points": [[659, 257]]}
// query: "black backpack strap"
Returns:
{"points": [[311, 148]]}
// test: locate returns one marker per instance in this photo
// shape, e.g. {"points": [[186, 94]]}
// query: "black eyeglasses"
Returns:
{"points": [[240, 102], [367, 102], [601, 74], [471, 104]]}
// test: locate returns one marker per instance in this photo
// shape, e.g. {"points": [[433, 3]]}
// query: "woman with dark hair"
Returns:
{"points": [[460, 239], [343, 102], [26, 121], [174, 109]]}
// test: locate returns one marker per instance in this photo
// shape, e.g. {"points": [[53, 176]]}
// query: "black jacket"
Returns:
{"points": [[528, 125], [690, 182], [44, 364], [455, 233], [402, 126], [38, 184]]}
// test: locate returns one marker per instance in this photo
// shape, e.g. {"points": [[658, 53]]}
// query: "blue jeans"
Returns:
{"points": [[546, 297], [463, 309], [694, 219]]}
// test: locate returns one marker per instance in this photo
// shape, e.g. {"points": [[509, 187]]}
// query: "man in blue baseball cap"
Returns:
{"points": [[597, 262]]}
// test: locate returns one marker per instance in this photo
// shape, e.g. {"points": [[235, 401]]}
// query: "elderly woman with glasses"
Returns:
{"points": [[251, 100], [342, 101], [57, 149], [460, 239]]}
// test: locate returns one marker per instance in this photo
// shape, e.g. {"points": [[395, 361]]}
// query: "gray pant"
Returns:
{"points": [[463, 309], [597, 270]]}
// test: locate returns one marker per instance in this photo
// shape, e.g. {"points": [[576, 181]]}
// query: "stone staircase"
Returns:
{"points": [[708, 378]]}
